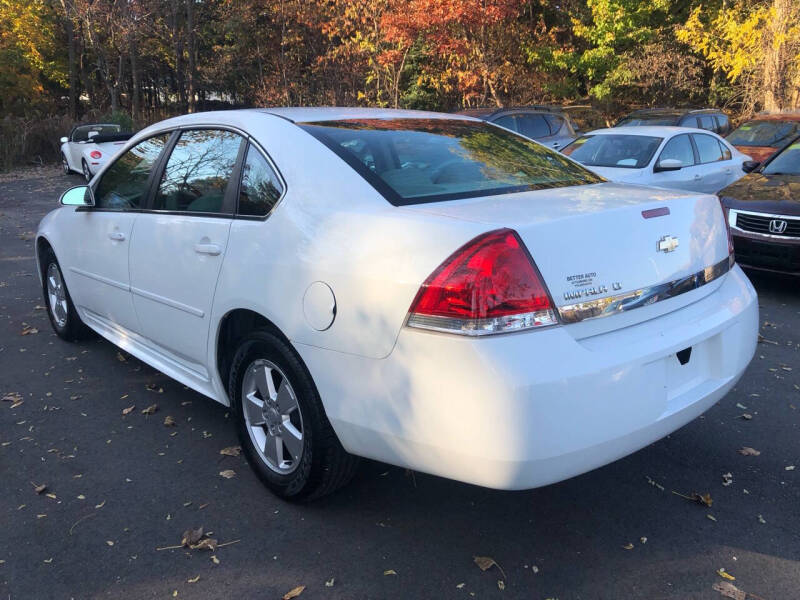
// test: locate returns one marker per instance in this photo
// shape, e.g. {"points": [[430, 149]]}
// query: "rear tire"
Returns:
{"points": [[281, 423], [87, 174], [60, 309]]}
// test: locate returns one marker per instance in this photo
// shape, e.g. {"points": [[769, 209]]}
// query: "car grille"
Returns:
{"points": [[760, 224]]}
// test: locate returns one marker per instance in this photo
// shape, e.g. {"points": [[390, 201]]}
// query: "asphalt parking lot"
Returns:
{"points": [[122, 488]]}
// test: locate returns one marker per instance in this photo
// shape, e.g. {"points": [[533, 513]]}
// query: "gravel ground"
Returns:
{"points": [[120, 487]]}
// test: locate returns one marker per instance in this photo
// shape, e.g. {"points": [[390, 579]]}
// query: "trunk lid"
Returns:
{"points": [[593, 242]]}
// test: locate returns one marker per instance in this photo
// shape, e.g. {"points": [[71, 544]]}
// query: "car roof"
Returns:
{"points": [[677, 112], [651, 130], [790, 116], [307, 114], [487, 112]]}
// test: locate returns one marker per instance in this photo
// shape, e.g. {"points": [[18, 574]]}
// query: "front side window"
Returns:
{"points": [[785, 163], [198, 171], [708, 149], [532, 126], [260, 188], [678, 148], [430, 160], [613, 150], [124, 184]]}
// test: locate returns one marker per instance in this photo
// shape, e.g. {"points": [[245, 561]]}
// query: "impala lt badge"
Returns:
{"points": [[667, 243]]}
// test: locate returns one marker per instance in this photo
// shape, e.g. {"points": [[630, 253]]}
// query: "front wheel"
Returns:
{"points": [[87, 174], [63, 316], [281, 422], [65, 164]]}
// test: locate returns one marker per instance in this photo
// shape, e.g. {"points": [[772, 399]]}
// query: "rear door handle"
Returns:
{"points": [[211, 249], [117, 236]]}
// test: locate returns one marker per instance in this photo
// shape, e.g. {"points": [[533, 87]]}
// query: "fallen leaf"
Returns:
{"points": [[206, 544], [109, 542], [727, 479], [761, 520], [747, 451], [129, 410], [460, 585], [725, 575], [51, 496], [747, 416], [214, 559], [729, 590], [120, 357], [740, 405], [704, 499], [12, 397], [193, 579], [191, 536], [228, 473], [790, 468], [501, 585], [330, 582], [294, 593], [169, 421], [486, 562], [40, 488], [101, 505], [628, 546], [711, 517], [390, 572], [150, 409], [29, 331], [231, 451], [643, 540]]}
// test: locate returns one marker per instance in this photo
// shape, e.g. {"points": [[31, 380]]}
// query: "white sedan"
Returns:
{"points": [[680, 158], [426, 290], [88, 147]]}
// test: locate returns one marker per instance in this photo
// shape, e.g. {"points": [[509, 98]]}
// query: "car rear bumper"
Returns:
{"points": [[524, 410]]}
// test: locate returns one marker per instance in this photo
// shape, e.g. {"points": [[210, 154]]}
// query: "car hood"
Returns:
{"points": [[758, 153], [778, 194]]}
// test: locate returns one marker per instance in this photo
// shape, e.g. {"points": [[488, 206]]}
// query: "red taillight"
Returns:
{"points": [[490, 285], [95, 154]]}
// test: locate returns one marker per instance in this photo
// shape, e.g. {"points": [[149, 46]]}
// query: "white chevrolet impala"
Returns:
{"points": [[427, 290]]}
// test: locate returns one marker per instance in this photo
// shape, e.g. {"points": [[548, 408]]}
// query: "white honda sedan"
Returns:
{"points": [[679, 158], [427, 290]]}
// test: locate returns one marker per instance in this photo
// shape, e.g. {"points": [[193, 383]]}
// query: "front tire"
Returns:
{"points": [[60, 309], [65, 164], [281, 422], [87, 174]]}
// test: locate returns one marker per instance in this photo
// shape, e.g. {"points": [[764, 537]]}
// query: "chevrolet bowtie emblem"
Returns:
{"points": [[667, 243]]}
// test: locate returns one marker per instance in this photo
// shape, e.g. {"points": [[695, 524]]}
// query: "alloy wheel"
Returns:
{"points": [[272, 416], [57, 295]]}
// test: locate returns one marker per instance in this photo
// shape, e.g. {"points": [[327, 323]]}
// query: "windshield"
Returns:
{"points": [[785, 163], [410, 161], [648, 121], [625, 151], [86, 132], [764, 133]]}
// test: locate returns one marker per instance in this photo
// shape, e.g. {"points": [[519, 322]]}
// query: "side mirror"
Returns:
{"points": [[80, 195], [749, 166], [668, 164], [64, 140]]}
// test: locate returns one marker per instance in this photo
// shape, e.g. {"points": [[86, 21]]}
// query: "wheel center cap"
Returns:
{"points": [[273, 418]]}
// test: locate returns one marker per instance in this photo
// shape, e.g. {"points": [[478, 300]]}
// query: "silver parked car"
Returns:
{"points": [[548, 125]]}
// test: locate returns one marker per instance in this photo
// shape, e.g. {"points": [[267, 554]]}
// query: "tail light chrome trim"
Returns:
{"points": [[612, 305]]}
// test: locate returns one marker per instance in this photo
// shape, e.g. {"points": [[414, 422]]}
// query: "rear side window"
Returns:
{"points": [[411, 161], [124, 184], [678, 148], [706, 122], [198, 171], [708, 148], [726, 152], [723, 125], [260, 188], [533, 126]]}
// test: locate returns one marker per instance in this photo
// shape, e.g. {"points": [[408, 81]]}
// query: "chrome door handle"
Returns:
{"points": [[211, 249], [698, 177], [117, 236]]}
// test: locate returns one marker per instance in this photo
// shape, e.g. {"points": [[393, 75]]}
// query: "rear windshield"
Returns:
{"points": [[764, 133], [785, 163], [623, 151], [412, 161]]}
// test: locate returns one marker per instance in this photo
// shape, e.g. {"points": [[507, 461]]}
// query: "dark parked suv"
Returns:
{"points": [[711, 119], [548, 125]]}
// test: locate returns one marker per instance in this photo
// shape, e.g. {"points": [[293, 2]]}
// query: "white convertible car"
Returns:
{"points": [[427, 290], [89, 147], [679, 158]]}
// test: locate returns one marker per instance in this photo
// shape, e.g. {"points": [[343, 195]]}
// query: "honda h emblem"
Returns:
{"points": [[667, 243], [777, 226]]}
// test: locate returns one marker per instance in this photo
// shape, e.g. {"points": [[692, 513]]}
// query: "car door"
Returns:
{"points": [[689, 177], [180, 242], [715, 170], [98, 257]]}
